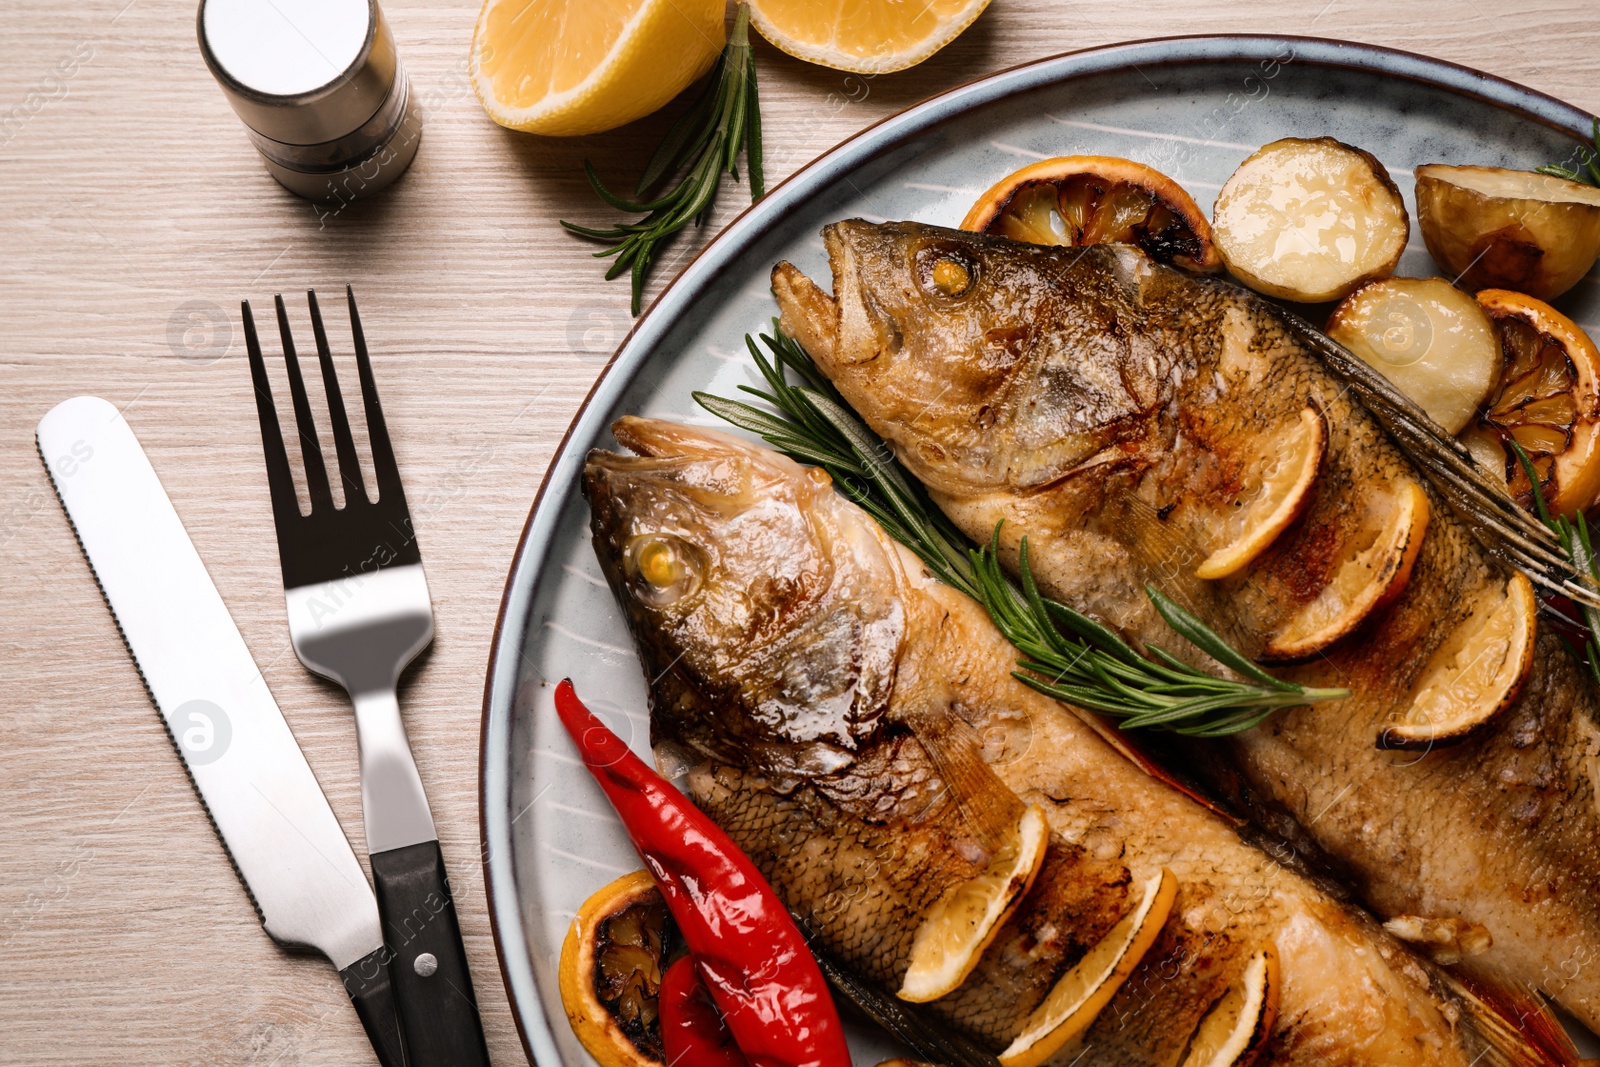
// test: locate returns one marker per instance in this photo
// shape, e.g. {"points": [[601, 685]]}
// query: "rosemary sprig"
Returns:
{"points": [[1064, 653], [1588, 168], [705, 141], [1578, 546]]}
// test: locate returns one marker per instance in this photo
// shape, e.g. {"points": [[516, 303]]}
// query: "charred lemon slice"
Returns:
{"points": [[1236, 1029], [1364, 580], [1090, 200], [1548, 401], [611, 965], [1073, 1002], [1271, 499], [964, 921], [1475, 674]]}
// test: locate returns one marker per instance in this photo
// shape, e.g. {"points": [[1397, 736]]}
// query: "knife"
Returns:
{"points": [[252, 778]]}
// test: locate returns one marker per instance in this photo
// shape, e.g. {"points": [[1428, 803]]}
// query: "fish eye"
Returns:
{"points": [[664, 568], [945, 271]]}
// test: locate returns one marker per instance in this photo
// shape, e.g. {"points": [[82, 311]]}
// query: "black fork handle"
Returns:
{"points": [[432, 986]]}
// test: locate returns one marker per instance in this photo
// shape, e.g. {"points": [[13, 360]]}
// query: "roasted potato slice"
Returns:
{"points": [[1493, 228], [1434, 342], [1310, 220]]}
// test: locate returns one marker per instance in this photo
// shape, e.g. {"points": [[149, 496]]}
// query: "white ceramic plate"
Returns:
{"points": [[1191, 107]]}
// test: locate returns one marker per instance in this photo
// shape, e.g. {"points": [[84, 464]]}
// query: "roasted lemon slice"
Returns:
{"points": [[562, 67], [1366, 579], [964, 921], [1090, 200], [1548, 400], [610, 972], [1074, 1002], [1475, 674], [1238, 1026], [1271, 499], [865, 36]]}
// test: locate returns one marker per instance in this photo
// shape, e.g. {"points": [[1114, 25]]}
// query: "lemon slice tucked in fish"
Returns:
{"points": [[1270, 500], [965, 920], [1073, 1002], [1236, 1029], [1366, 577], [1475, 674]]}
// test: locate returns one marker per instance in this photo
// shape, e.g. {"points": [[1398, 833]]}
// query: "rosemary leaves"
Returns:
{"points": [[705, 141], [1064, 653]]}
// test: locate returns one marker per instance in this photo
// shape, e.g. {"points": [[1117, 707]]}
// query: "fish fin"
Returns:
{"points": [[808, 314], [989, 809], [1514, 1021], [1500, 525]]}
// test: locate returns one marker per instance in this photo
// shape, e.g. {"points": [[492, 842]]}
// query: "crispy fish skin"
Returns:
{"points": [[1105, 406], [861, 812]]}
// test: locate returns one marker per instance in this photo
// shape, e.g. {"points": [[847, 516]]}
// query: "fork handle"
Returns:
{"points": [[432, 986]]}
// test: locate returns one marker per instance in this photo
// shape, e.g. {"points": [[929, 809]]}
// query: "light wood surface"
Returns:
{"points": [[129, 191]]}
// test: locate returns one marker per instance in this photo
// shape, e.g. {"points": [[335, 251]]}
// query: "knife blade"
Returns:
{"points": [[253, 780]]}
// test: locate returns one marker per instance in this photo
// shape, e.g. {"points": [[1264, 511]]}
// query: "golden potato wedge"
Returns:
{"points": [[1493, 228], [1310, 220], [1434, 342]]}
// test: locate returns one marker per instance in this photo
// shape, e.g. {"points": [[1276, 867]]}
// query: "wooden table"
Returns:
{"points": [[134, 212]]}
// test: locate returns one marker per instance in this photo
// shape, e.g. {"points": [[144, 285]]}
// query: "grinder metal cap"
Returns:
{"points": [[300, 72]]}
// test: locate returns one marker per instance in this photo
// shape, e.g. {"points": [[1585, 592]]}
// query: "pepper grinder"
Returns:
{"points": [[320, 89]]}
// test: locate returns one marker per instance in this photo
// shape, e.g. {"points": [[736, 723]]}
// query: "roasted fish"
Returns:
{"points": [[1137, 424], [854, 725]]}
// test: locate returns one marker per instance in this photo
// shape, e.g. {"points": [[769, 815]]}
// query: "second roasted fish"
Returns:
{"points": [[854, 726]]}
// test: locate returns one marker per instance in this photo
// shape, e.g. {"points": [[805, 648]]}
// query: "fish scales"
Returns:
{"points": [[1174, 388], [861, 814]]}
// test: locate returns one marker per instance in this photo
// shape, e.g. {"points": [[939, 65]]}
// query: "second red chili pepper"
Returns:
{"points": [[746, 949], [693, 1032]]}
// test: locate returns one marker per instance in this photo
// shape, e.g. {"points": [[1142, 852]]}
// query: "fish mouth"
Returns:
{"points": [[660, 439], [674, 468], [846, 327]]}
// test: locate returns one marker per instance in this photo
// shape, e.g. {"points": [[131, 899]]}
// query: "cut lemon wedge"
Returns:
{"points": [[1366, 579], [864, 36], [960, 926], [1475, 674], [1074, 1002], [1236, 1029], [563, 68], [1547, 400], [1270, 500], [1088, 200]]}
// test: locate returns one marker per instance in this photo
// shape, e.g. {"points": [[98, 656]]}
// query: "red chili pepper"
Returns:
{"points": [[693, 1032], [747, 950]]}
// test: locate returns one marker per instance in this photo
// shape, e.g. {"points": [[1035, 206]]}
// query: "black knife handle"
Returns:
{"points": [[367, 982], [432, 986]]}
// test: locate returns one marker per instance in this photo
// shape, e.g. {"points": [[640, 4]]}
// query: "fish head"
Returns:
{"points": [[762, 638], [992, 363]]}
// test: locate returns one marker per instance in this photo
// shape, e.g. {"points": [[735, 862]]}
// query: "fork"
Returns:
{"points": [[359, 613]]}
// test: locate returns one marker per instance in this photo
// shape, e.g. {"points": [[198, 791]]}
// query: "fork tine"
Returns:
{"points": [[384, 468], [310, 450], [280, 480], [343, 443]]}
